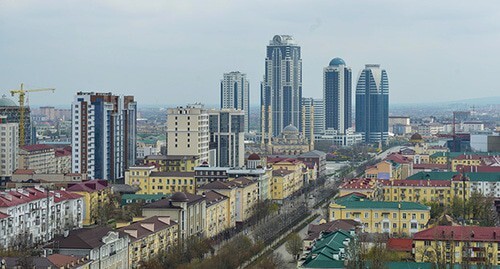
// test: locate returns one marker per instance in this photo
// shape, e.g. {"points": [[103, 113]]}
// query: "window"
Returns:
{"points": [[404, 215], [427, 243], [421, 216], [376, 215], [394, 215]]}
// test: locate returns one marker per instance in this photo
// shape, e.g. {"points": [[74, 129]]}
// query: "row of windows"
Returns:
{"points": [[384, 215]]}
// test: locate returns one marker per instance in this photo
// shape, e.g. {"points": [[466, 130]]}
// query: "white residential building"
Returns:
{"points": [[188, 131], [24, 218]]}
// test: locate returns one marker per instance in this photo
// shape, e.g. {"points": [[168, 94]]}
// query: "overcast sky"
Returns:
{"points": [[175, 52]]}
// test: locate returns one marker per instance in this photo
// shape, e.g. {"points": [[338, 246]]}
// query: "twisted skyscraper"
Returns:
{"points": [[372, 104]]}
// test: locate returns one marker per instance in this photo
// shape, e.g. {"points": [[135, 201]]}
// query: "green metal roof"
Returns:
{"points": [[321, 255], [143, 197]]}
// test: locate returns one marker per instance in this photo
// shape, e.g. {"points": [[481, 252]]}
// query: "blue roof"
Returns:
{"points": [[337, 62]]}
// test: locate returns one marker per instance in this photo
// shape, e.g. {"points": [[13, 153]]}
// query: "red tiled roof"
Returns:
{"points": [[479, 168], [429, 166], [358, 183], [146, 227], [36, 147], [88, 186], [280, 159], [460, 233], [398, 158], [62, 152], [62, 195], [24, 172], [399, 244], [468, 157], [281, 172], [213, 197], [16, 197], [60, 260]]}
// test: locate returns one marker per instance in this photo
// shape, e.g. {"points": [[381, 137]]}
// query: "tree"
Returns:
{"points": [[271, 261], [355, 254], [294, 245]]}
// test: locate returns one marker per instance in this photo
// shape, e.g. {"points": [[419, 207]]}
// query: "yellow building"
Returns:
{"points": [[381, 170], [439, 158], [439, 187], [288, 177], [402, 218], [177, 163], [243, 194], [38, 157], [151, 181], [95, 194], [458, 245], [247, 197], [422, 191], [218, 218], [148, 237], [228, 189], [465, 160]]}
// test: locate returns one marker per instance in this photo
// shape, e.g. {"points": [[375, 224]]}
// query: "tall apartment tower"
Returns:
{"points": [[281, 89], [235, 93], [9, 145], [313, 113], [337, 93], [372, 104], [227, 136], [104, 134], [188, 131]]}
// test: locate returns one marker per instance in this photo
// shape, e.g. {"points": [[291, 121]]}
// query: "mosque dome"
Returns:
{"points": [[337, 62], [290, 129], [4, 101]]}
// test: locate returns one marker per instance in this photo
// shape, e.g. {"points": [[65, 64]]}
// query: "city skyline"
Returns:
{"points": [[71, 55]]}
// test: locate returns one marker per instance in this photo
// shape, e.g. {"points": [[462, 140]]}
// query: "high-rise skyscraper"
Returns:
{"points": [[314, 113], [235, 93], [337, 95], [9, 146], [188, 131], [104, 134], [227, 137], [372, 104], [281, 90]]}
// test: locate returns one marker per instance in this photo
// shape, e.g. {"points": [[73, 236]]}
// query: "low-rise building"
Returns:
{"points": [[38, 157], [104, 247], [228, 189], [188, 210], [150, 181], [284, 184], [329, 251], [422, 191], [24, 218], [318, 158], [458, 245], [403, 218], [148, 237], [96, 193], [247, 196], [370, 187]]}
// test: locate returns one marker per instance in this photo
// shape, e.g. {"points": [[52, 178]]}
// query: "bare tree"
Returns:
{"points": [[294, 245]]}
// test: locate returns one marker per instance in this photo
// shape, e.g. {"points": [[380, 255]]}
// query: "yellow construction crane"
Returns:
{"points": [[21, 93]]}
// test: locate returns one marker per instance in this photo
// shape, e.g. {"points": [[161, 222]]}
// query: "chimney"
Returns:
{"points": [[148, 226]]}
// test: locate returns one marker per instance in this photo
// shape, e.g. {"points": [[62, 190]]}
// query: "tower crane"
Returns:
{"points": [[22, 109]]}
